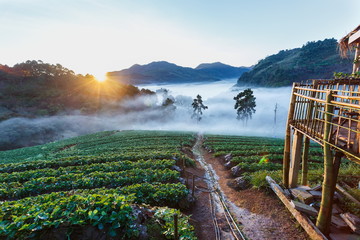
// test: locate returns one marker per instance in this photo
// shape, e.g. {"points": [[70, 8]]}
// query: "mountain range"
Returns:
{"points": [[164, 72], [314, 60]]}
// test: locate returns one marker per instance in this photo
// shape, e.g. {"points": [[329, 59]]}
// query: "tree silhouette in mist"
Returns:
{"points": [[198, 107], [245, 105]]}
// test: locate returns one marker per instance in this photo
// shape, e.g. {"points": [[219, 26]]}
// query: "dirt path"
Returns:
{"points": [[261, 216]]}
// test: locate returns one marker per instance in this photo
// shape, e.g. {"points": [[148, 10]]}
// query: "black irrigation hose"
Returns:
{"points": [[215, 222], [233, 222], [236, 232], [230, 220]]}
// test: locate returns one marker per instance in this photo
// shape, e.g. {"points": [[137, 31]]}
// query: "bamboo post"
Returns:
{"points": [[356, 146], [356, 65], [286, 159], [295, 159], [193, 185], [305, 158], [356, 68], [324, 218], [176, 232]]}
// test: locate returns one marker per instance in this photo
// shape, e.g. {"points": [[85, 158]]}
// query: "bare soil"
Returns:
{"points": [[261, 214]]}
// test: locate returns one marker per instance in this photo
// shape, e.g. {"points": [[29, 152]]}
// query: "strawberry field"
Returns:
{"points": [[126, 184], [97, 185], [257, 157], [247, 152]]}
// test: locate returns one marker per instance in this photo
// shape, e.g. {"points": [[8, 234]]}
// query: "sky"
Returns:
{"points": [[93, 36]]}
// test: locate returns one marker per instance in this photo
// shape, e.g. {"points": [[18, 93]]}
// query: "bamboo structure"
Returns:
{"points": [[326, 112]]}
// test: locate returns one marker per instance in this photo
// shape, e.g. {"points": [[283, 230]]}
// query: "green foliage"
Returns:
{"points": [[186, 232], [245, 105], [24, 219], [341, 75], [92, 180], [314, 60], [257, 179], [41, 185]]}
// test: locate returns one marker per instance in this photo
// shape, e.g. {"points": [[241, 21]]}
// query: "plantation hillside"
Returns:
{"points": [[94, 185], [130, 184], [314, 60]]}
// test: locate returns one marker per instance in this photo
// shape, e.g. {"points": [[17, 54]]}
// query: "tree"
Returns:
{"points": [[245, 105], [198, 106]]}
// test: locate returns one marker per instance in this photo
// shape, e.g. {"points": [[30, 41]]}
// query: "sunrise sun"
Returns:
{"points": [[101, 77]]}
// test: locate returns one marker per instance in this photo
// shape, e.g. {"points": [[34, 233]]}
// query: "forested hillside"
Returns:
{"points": [[34, 88], [314, 60], [165, 72]]}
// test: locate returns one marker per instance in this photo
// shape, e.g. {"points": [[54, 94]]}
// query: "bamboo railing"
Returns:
{"points": [[309, 116]]}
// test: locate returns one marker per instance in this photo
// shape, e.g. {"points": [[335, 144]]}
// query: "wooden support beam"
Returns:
{"points": [[286, 159], [338, 222], [356, 146], [315, 194], [346, 194], [295, 159], [305, 222], [305, 157], [303, 195], [302, 207], [324, 218], [352, 221]]}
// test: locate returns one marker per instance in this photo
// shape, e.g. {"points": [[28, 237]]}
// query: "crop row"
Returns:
{"points": [[224, 149], [250, 152], [156, 194], [85, 160], [86, 169], [16, 190], [101, 143], [110, 212], [258, 154]]}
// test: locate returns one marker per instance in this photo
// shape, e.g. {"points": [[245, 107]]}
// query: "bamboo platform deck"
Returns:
{"points": [[342, 108]]}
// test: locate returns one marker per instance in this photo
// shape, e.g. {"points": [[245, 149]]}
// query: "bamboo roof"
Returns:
{"points": [[349, 41]]}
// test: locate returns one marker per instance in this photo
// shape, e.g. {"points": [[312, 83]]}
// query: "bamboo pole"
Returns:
{"points": [[356, 65], [176, 231], [306, 224], [286, 159], [295, 159], [324, 218], [305, 157], [346, 194]]}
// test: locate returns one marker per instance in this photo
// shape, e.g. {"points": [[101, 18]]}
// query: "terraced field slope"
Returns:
{"points": [[254, 158], [128, 185], [95, 186]]}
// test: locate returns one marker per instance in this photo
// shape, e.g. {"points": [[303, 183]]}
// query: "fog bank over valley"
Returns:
{"points": [[148, 113]]}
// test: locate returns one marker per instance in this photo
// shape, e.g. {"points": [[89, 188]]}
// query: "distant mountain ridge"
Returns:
{"points": [[165, 72], [314, 60]]}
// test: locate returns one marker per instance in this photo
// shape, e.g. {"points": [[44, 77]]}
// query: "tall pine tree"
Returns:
{"points": [[245, 105]]}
